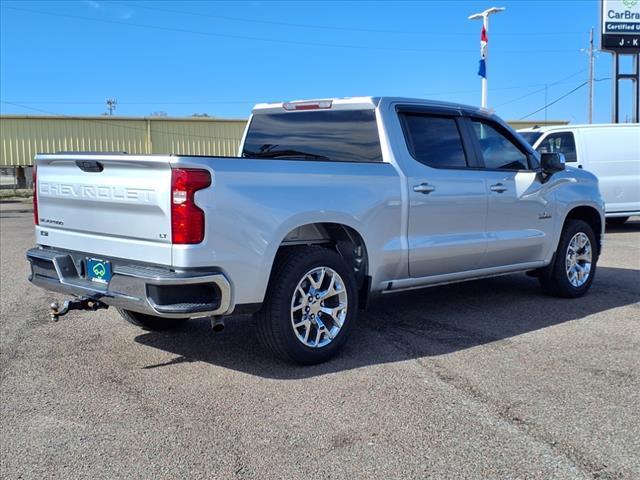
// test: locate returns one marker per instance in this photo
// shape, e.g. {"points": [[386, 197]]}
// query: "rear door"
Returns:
{"points": [[115, 205], [520, 214], [448, 200]]}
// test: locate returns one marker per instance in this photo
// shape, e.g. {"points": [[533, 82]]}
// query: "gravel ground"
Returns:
{"points": [[489, 379]]}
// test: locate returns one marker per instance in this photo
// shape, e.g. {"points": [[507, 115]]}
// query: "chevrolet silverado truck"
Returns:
{"points": [[328, 203]]}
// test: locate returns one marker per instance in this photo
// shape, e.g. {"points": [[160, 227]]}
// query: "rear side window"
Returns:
{"points": [[498, 151], [335, 135], [560, 143], [434, 141]]}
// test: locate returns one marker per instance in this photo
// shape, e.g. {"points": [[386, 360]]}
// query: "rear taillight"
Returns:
{"points": [[187, 220], [35, 195]]}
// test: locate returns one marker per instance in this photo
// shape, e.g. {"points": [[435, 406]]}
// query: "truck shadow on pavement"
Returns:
{"points": [[632, 225], [406, 326]]}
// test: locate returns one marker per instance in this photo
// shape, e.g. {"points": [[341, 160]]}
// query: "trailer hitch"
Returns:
{"points": [[79, 303]]}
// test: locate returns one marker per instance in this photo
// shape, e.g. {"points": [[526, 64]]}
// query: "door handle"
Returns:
{"points": [[498, 187], [423, 188]]}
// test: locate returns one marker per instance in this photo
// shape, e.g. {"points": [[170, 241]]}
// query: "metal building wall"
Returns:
{"points": [[21, 136], [220, 138], [518, 124]]}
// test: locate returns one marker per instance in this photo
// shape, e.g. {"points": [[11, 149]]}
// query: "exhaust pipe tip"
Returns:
{"points": [[217, 324]]}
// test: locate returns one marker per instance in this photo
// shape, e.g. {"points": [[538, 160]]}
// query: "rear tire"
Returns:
{"points": [[617, 220], [310, 306], [151, 322], [574, 265]]}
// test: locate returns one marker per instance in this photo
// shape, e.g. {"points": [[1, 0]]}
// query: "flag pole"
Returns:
{"points": [[484, 48], [485, 24]]}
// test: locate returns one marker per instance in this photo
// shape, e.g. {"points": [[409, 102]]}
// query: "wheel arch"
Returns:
{"points": [[592, 217], [345, 239]]}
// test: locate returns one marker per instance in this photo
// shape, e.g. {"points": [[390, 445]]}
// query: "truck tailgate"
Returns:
{"points": [[116, 205]]}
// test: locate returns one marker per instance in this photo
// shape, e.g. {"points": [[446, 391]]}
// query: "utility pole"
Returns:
{"points": [[546, 103], [484, 47], [591, 64], [111, 105]]}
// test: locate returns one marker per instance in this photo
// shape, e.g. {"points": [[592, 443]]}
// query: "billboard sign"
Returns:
{"points": [[620, 25]]}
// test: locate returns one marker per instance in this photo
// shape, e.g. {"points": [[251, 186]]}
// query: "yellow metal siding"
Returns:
{"points": [[197, 138], [518, 124], [21, 137]]}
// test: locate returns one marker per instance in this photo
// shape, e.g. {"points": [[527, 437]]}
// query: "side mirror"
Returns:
{"points": [[552, 162]]}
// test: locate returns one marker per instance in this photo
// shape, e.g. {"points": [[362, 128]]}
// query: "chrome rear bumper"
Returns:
{"points": [[139, 288]]}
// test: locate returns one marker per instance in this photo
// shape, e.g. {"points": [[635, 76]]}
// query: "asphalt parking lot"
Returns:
{"points": [[489, 379]]}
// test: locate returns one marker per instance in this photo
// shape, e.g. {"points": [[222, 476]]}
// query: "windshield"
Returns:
{"points": [[337, 135], [531, 137]]}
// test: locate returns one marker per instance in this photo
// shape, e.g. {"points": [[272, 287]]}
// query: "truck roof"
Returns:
{"points": [[361, 103]]}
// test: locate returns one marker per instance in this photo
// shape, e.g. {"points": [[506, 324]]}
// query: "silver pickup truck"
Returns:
{"points": [[329, 202]]}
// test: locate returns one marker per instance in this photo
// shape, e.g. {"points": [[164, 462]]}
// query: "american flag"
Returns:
{"points": [[482, 70]]}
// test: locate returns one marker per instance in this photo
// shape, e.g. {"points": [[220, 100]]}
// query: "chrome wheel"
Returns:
{"points": [[319, 307], [578, 259]]}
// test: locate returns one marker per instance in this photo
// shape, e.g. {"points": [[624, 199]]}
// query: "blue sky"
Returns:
{"points": [[222, 57]]}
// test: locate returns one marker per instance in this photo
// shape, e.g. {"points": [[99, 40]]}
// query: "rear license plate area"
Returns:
{"points": [[98, 270]]}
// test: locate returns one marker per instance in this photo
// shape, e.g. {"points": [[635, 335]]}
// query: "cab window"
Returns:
{"points": [[559, 143], [434, 140], [498, 151]]}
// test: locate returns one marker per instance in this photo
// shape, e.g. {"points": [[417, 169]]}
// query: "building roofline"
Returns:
{"points": [[545, 128], [118, 117]]}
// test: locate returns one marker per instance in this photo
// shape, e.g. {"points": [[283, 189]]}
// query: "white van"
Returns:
{"points": [[611, 152]]}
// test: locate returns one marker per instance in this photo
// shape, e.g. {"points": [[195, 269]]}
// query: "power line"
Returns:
{"points": [[544, 86], [253, 102], [522, 97], [24, 104], [220, 35], [229, 102], [336, 27], [566, 95], [261, 39], [156, 102], [556, 100]]}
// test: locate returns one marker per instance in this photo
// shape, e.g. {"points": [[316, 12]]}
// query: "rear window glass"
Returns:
{"points": [[336, 135]]}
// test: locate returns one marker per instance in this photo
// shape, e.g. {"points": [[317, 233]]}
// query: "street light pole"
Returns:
{"points": [[484, 47]]}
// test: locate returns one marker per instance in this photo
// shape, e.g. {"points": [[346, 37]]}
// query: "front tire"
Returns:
{"points": [[151, 322], [310, 306], [574, 266]]}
